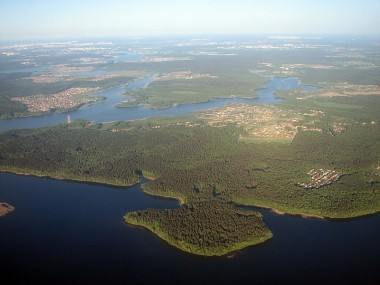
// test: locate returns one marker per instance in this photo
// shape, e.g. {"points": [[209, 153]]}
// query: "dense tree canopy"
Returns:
{"points": [[210, 171]]}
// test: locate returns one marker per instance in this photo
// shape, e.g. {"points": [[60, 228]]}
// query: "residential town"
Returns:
{"points": [[262, 121], [61, 100], [320, 178]]}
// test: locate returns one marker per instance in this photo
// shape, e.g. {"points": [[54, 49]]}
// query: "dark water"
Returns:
{"points": [[72, 233], [106, 111]]}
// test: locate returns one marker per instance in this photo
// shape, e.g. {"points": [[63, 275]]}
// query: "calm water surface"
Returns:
{"points": [[73, 233]]}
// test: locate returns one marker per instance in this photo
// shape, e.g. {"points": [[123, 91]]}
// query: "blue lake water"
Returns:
{"points": [[107, 110], [73, 233]]}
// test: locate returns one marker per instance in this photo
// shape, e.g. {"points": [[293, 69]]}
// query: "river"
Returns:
{"points": [[107, 110], [63, 232]]}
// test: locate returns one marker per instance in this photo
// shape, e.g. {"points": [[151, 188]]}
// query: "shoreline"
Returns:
{"points": [[314, 216], [69, 179], [181, 201], [279, 212]]}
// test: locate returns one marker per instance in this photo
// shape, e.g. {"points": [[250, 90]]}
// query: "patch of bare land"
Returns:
{"points": [[184, 75], [264, 122], [5, 208], [62, 100]]}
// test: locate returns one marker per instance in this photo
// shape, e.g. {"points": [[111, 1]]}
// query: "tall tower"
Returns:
{"points": [[68, 119]]}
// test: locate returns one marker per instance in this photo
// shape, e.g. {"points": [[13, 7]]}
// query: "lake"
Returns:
{"points": [[63, 232], [107, 110]]}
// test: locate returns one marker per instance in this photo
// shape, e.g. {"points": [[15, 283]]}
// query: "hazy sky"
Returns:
{"points": [[38, 19]]}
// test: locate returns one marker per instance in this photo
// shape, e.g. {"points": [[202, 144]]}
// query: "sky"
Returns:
{"points": [[53, 19]]}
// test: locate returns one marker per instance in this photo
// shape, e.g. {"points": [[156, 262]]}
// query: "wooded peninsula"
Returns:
{"points": [[213, 172]]}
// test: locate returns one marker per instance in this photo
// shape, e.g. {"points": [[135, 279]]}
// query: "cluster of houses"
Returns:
{"points": [[61, 100], [262, 121], [320, 178]]}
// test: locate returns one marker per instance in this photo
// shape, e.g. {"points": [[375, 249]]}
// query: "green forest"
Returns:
{"points": [[214, 170], [210, 171]]}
